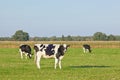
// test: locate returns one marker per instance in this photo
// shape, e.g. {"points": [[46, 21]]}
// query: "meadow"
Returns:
{"points": [[102, 64]]}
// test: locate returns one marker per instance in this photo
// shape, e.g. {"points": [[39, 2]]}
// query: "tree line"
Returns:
{"points": [[20, 35]]}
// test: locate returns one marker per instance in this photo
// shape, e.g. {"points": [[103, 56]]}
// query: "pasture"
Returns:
{"points": [[102, 64]]}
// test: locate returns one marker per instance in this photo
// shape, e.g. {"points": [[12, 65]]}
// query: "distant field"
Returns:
{"points": [[101, 64], [74, 44]]}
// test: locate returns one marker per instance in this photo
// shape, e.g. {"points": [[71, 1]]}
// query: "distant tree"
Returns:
{"points": [[111, 37], [5, 39], [36, 39], [53, 38], [20, 36], [76, 38], [117, 38], [63, 38], [99, 36], [69, 38]]}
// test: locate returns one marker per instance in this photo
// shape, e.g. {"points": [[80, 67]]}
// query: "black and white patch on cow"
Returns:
{"points": [[86, 48], [55, 51], [25, 50]]}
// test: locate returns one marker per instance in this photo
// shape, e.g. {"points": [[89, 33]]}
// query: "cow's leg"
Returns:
{"points": [[87, 50], [26, 54], [84, 50], [21, 53], [38, 57], [59, 61], [56, 62], [60, 64]]}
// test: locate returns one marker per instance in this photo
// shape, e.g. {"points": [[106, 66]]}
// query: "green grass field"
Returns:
{"points": [[101, 64]]}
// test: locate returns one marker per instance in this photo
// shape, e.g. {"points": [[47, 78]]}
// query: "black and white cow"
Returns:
{"points": [[86, 48], [55, 51], [26, 50]]}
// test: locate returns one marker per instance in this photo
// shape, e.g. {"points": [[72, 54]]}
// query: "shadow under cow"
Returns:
{"points": [[90, 66]]}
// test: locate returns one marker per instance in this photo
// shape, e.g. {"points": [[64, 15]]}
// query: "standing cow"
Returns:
{"points": [[55, 51], [25, 50], [86, 48]]}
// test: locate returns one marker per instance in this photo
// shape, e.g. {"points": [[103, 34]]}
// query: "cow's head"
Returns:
{"points": [[30, 55], [65, 47], [61, 50]]}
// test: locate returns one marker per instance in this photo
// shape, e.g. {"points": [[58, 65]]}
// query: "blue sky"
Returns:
{"points": [[59, 17]]}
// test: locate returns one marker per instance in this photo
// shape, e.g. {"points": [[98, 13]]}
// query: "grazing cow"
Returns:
{"points": [[55, 51], [86, 48], [26, 50]]}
